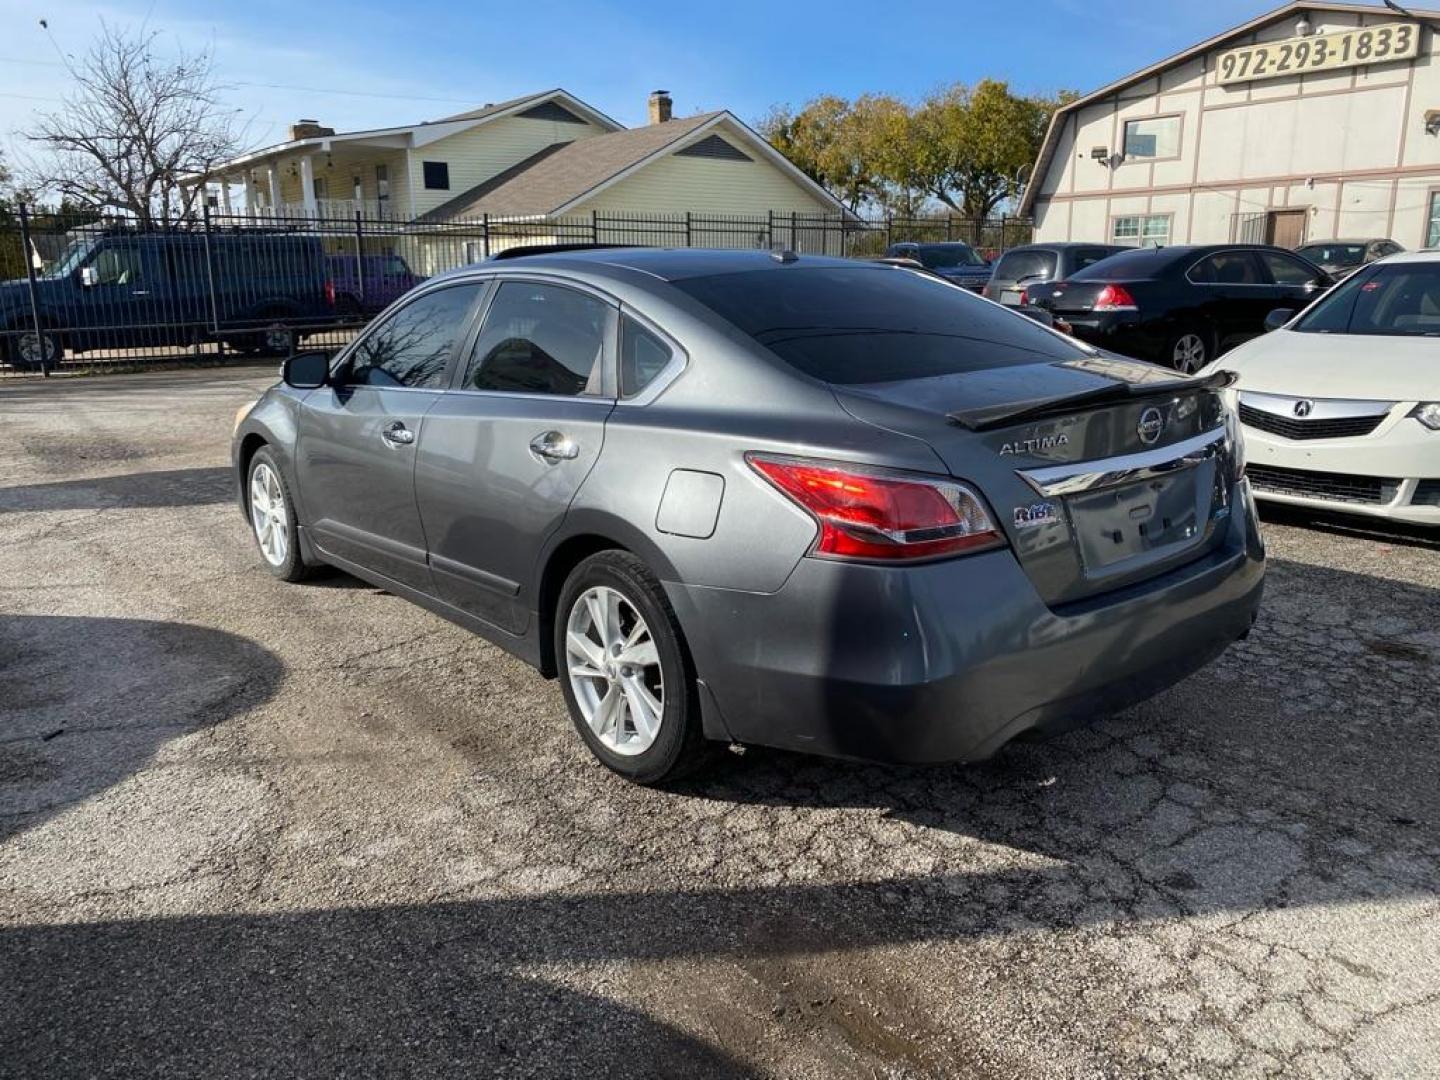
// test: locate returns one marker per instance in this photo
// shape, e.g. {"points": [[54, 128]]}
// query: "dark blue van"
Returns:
{"points": [[121, 289]]}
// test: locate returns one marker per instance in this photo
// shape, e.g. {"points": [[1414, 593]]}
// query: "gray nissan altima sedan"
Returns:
{"points": [[753, 497]]}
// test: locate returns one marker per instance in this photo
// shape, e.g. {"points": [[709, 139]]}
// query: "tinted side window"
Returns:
{"points": [[1286, 271], [540, 339], [642, 357], [413, 346], [1227, 268]]}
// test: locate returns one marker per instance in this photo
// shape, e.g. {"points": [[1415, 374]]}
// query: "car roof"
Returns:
{"points": [[1424, 255], [669, 264], [930, 243], [1065, 245]]}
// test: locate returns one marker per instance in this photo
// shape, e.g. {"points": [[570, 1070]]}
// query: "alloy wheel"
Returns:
{"points": [[267, 514], [1189, 353], [614, 670], [36, 349]]}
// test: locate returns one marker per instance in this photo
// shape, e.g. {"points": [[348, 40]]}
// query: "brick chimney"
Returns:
{"points": [[659, 106], [308, 129]]}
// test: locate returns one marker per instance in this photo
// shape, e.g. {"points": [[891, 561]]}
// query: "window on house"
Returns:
{"points": [[437, 175], [1154, 137], [317, 186], [1141, 230], [1432, 229]]}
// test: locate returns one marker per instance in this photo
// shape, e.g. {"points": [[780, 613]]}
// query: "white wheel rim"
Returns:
{"points": [[614, 671], [1189, 353], [267, 514]]}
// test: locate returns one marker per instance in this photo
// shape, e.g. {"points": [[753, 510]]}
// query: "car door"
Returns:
{"points": [[118, 298], [359, 437], [1230, 295], [507, 448], [1292, 283]]}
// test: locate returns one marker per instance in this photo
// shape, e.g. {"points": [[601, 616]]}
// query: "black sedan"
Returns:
{"points": [[1181, 306]]}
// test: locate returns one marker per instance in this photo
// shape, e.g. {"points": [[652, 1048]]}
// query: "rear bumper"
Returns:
{"points": [[1120, 332], [951, 660]]}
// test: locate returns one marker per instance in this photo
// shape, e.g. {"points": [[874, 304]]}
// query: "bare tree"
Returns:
{"points": [[134, 125]]}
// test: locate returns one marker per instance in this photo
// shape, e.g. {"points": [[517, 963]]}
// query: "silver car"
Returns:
{"points": [[760, 498]]}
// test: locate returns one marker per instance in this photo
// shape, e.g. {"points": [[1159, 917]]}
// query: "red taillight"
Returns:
{"points": [[1024, 297], [878, 514], [1114, 298], [330, 292]]}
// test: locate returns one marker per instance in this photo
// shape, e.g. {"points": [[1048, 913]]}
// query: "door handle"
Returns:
{"points": [[554, 446], [397, 434]]}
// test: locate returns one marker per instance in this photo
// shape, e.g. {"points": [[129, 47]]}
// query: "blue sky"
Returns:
{"points": [[359, 63]]}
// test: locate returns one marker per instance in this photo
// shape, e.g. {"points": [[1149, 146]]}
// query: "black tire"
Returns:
{"points": [[1181, 349], [293, 566], [20, 340], [679, 747]]}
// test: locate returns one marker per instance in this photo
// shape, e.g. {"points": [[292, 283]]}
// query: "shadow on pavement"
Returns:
{"points": [[165, 488], [87, 702], [1356, 526]]}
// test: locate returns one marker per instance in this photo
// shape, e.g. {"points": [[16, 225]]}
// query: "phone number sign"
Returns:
{"points": [[1319, 52]]}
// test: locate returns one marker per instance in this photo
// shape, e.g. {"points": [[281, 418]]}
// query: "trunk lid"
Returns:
{"points": [[1068, 297], [1100, 471]]}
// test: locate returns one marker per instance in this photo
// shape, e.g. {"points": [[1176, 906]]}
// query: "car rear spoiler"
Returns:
{"points": [[986, 417]]}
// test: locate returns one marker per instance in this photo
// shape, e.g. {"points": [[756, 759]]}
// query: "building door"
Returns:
{"points": [[1285, 228]]}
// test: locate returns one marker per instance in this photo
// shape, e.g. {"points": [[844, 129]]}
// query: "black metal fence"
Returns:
{"points": [[80, 293]]}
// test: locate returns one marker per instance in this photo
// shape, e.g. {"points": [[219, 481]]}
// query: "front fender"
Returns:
{"points": [[275, 422]]}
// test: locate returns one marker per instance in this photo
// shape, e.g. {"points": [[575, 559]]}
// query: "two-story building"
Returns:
{"points": [[546, 155], [1315, 121]]}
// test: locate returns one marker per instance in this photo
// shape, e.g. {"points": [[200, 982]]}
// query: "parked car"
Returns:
{"points": [[1181, 306], [1340, 258], [369, 284], [737, 496], [120, 288], [1040, 315], [953, 260], [1341, 406], [1033, 264]]}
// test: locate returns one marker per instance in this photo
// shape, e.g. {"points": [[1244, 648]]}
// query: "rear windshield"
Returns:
{"points": [[1020, 265], [1334, 254], [1141, 263], [874, 323], [939, 256], [1391, 300]]}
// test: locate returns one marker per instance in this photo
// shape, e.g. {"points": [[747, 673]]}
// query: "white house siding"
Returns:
{"points": [[1348, 147], [478, 154]]}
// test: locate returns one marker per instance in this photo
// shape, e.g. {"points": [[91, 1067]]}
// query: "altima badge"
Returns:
{"points": [[1036, 445], [1027, 517]]}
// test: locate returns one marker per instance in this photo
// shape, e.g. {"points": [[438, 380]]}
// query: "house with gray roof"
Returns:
{"points": [[535, 158]]}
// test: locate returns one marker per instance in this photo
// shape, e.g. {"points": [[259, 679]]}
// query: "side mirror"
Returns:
{"points": [[306, 371], [89, 277], [1278, 318]]}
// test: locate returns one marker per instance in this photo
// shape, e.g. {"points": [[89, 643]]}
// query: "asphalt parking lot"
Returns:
{"points": [[253, 829]]}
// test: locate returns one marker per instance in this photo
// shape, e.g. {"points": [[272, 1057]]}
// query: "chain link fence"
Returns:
{"points": [[79, 293]]}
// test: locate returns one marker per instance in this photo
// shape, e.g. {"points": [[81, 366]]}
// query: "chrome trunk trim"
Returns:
{"points": [[1061, 480]]}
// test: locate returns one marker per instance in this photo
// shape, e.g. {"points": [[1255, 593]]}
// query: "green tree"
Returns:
{"points": [[973, 146], [966, 148]]}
